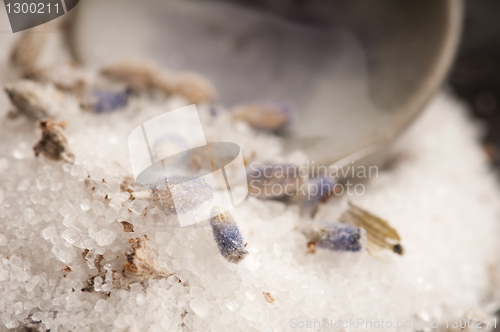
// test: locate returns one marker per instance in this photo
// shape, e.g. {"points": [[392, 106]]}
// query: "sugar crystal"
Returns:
{"points": [[98, 207], [85, 204], [79, 171], [29, 213], [56, 186], [105, 237], [138, 206], [49, 233], [72, 234], [42, 182], [3, 240], [103, 190], [200, 306], [115, 203], [35, 198], [63, 255]]}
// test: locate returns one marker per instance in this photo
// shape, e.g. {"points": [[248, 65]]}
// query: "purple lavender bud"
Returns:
{"points": [[227, 236], [213, 111], [273, 181], [272, 116], [318, 190], [190, 193], [101, 101], [336, 236]]}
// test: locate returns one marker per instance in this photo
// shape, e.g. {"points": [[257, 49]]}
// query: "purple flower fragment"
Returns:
{"points": [[335, 236], [102, 101], [227, 236], [318, 190]]}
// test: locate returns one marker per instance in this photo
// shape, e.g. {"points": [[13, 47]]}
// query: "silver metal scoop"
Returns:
{"points": [[358, 72]]}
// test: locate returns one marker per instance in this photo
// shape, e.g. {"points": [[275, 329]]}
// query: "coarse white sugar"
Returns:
{"points": [[29, 213], [162, 237], [110, 214], [30, 286], [35, 198], [23, 185], [69, 263], [56, 186], [102, 191], [3, 240], [4, 164]]}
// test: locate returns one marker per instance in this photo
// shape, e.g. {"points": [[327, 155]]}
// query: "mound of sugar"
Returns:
{"points": [[60, 223], [438, 193]]}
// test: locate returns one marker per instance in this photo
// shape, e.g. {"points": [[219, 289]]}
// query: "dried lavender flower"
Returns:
{"points": [[335, 236], [271, 116], [143, 76], [28, 48], [273, 181], [66, 77], [190, 193], [34, 100], [379, 233], [318, 190], [54, 142], [141, 262], [102, 101], [227, 236]]}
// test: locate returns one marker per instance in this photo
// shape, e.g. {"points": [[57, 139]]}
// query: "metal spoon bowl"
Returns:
{"points": [[357, 72]]}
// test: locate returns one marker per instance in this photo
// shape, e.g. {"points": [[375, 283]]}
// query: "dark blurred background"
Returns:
{"points": [[476, 73]]}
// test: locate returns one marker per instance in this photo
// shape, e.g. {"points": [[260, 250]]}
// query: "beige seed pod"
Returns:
{"points": [[28, 48], [54, 142], [194, 87], [269, 298], [34, 100], [140, 266], [141, 262], [136, 75], [380, 235], [143, 76]]}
